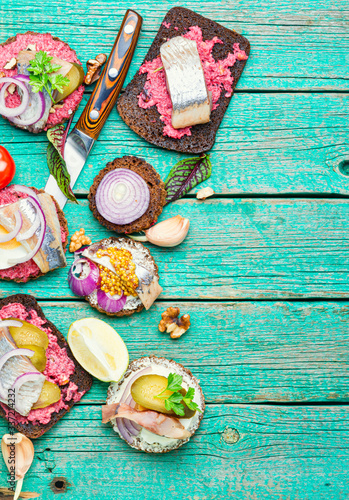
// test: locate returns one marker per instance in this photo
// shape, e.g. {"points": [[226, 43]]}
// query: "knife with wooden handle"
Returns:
{"points": [[81, 139]]}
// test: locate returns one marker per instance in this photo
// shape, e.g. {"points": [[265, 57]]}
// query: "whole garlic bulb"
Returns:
{"points": [[168, 233]]}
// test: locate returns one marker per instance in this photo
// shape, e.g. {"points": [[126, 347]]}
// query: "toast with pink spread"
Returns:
{"points": [[62, 371]]}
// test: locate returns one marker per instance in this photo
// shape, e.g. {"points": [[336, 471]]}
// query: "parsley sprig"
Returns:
{"points": [[175, 401], [41, 76]]}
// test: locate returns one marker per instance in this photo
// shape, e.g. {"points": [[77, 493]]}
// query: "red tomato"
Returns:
{"points": [[7, 167]]}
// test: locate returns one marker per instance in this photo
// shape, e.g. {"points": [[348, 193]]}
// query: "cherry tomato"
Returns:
{"points": [[7, 167]]}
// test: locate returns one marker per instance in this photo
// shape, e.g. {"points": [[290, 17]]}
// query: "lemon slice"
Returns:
{"points": [[98, 348]]}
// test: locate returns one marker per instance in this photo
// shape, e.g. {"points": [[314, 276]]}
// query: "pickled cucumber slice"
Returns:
{"points": [[144, 390], [28, 334], [76, 77], [39, 357], [50, 394]]}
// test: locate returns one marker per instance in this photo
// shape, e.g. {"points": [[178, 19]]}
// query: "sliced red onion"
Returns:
{"points": [[25, 190], [41, 236], [28, 234], [19, 222], [36, 103], [123, 430], [12, 112], [122, 196], [9, 322], [83, 277], [131, 426], [110, 303], [15, 352], [77, 253], [25, 377]]}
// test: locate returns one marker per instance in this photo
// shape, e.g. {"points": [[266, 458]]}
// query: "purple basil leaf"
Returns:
{"points": [[59, 170], [185, 175]]}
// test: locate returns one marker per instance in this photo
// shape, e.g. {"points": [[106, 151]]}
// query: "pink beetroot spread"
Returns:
{"points": [[53, 47], [27, 269], [59, 367], [217, 76]]}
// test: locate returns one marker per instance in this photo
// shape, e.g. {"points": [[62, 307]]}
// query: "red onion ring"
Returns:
{"points": [[15, 352], [11, 112], [41, 236], [19, 222], [123, 430], [25, 190], [132, 427], [28, 234], [9, 322], [122, 196], [110, 303], [25, 377], [85, 285], [35, 99]]}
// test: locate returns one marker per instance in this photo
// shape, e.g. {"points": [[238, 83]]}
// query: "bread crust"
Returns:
{"points": [[80, 377], [146, 122], [155, 185]]}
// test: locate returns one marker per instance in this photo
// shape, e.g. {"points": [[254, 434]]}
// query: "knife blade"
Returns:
{"points": [[83, 136]]}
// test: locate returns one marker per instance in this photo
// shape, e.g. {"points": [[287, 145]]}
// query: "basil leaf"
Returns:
{"points": [[185, 175], [59, 170]]}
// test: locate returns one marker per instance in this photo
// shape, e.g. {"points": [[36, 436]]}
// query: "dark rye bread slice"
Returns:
{"points": [[156, 188], [64, 225], [80, 377], [147, 262], [146, 122], [13, 39]]}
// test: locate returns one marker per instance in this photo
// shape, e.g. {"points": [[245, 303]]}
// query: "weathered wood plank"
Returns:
{"points": [[260, 248], [291, 41], [241, 352], [268, 143], [240, 452]]}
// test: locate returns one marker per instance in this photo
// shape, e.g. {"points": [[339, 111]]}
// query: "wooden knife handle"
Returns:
{"points": [[109, 85]]}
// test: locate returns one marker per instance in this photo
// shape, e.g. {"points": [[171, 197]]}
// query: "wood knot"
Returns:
{"points": [[59, 485], [343, 168], [230, 436]]}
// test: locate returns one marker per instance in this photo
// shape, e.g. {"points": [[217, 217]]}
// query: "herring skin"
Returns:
{"points": [[191, 103], [155, 422]]}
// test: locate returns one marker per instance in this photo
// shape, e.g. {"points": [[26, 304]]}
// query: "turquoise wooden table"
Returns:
{"points": [[263, 272]]}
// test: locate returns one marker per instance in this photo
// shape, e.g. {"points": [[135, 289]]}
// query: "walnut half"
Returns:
{"points": [[94, 68], [171, 323]]}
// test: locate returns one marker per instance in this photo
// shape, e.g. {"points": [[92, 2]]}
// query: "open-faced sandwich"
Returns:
{"points": [[128, 195], [41, 81], [178, 98], [33, 234], [157, 406], [117, 276], [39, 378]]}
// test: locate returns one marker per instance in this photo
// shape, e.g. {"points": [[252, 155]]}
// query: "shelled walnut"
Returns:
{"points": [[172, 324], [94, 68], [78, 240]]}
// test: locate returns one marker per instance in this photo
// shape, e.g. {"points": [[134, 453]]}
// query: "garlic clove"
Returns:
{"points": [[169, 233], [204, 193], [17, 450]]}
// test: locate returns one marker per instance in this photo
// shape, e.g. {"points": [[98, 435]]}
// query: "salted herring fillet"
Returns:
{"points": [[155, 422], [29, 392], [51, 254], [191, 101]]}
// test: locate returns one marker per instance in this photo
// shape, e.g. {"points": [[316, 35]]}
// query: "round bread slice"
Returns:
{"points": [[156, 188], [55, 47], [146, 440], [65, 234], [142, 257]]}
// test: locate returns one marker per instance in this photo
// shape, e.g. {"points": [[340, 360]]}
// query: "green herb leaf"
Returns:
{"points": [[41, 74], [59, 170], [56, 136], [174, 382], [176, 407], [185, 175], [188, 399]]}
